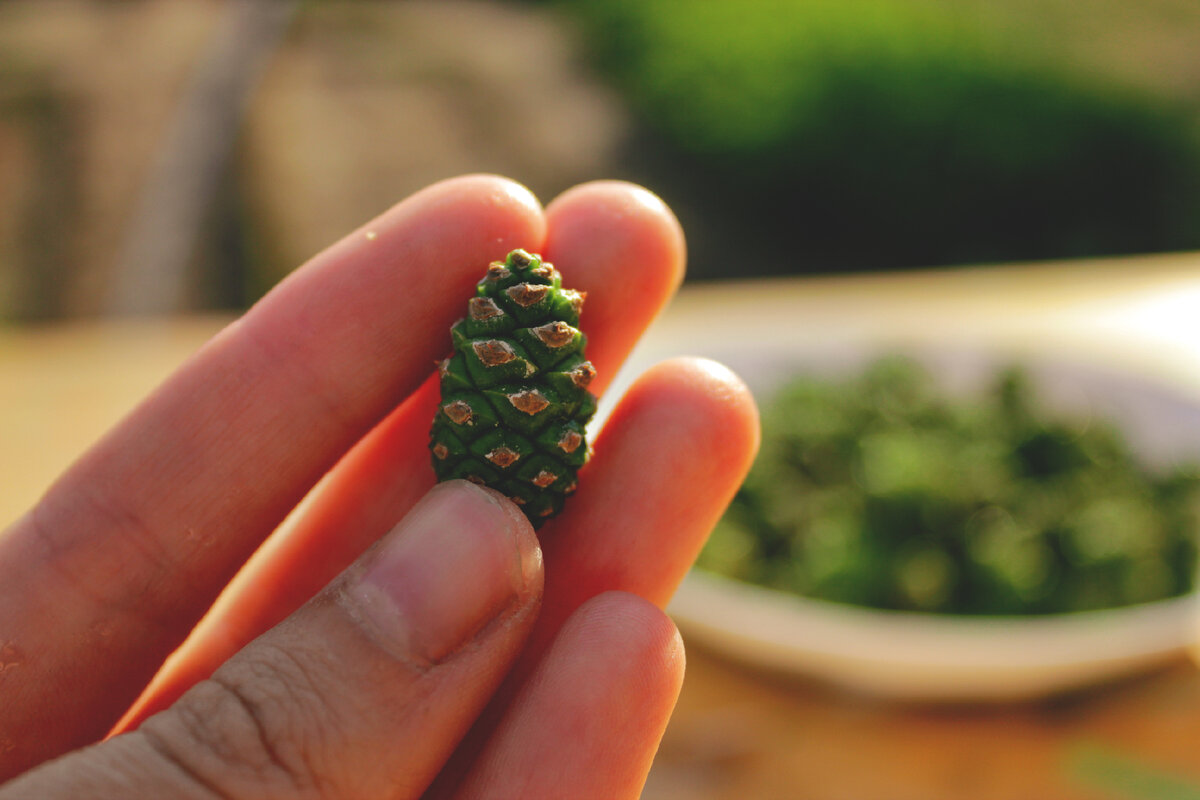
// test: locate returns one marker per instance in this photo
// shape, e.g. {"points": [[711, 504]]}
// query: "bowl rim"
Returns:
{"points": [[925, 656]]}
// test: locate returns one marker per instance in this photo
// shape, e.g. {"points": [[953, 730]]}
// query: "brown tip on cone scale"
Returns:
{"points": [[570, 488], [481, 309], [583, 374], [527, 294], [528, 401], [444, 367], [493, 352], [497, 271], [570, 441], [475, 479], [546, 272], [459, 412], [554, 334], [503, 457], [544, 479], [441, 451], [575, 298]]}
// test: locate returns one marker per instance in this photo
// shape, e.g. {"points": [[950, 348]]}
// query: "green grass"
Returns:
{"points": [[889, 133]]}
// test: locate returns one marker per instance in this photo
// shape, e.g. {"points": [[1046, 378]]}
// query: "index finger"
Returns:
{"points": [[126, 551]]}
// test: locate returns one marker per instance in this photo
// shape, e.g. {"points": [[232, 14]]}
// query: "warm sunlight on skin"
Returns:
{"points": [[370, 687]]}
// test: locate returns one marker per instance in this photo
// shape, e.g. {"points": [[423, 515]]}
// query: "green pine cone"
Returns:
{"points": [[514, 393]]}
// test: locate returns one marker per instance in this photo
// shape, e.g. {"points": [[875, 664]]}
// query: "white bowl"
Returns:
{"points": [[932, 657]]}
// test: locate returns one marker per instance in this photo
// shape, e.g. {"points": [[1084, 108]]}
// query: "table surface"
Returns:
{"points": [[738, 733]]}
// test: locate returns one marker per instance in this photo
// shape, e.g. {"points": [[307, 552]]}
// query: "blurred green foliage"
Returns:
{"points": [[882, 491], [824, 135]]}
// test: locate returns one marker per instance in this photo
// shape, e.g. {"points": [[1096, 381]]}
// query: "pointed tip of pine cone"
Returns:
{"points": [[519, 259]]}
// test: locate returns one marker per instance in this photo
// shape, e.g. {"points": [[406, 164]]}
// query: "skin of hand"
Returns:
{"points": [[251, 588]]}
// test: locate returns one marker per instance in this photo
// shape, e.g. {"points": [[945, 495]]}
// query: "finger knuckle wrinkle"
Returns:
{"points": [[254, 732], [177, 758], [135, 548]]}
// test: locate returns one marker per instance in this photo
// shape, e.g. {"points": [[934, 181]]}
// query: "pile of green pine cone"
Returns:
{"points": [[881, 491]]}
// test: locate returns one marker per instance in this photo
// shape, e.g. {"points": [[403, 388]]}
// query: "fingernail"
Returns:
{"points": [[457, 561]]}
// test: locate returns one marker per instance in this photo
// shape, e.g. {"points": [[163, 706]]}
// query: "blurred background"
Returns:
{"points": [[162, 164], [157, 156]]}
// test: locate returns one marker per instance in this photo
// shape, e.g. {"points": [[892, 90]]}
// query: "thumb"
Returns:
{"points": [[363, 692]]}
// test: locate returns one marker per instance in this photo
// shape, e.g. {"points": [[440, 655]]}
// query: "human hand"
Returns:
{"points": [[393, 676]]}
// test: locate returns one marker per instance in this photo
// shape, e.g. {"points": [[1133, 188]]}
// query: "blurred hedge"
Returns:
{"points": [[823, 135]]}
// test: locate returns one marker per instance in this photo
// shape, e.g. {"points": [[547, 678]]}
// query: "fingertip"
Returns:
{"points": [[594, 710], [633, 631], [406, 272], [526, 539], [705, 393], [591, 213], [496, 189], [703, 377], [405, 275], [622, 245], [501, 209], [667, 462], [622, 660]]}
